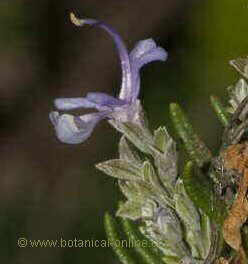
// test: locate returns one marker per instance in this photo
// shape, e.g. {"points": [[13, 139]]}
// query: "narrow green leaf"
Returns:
{"points": [[120, 169], [220, 110], [113, 236], [142, 245], [206, 233], [196, 149], [200, 190]]}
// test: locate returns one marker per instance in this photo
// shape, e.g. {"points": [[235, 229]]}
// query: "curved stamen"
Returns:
{"points": [[126, 88]]}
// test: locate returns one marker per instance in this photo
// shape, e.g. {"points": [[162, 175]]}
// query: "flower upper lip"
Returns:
{"points": [[74, 131]]}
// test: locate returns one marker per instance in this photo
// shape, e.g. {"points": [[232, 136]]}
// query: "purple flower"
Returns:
{"points": [[76, 129]]}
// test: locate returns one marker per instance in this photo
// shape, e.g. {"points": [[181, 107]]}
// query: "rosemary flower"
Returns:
{"points": [[76, 129]]}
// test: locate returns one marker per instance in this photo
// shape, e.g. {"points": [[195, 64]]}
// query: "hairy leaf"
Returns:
{"points": [[241, 65], [161, 137], [120, 169], [130, 209], [237, 93], [151, 177], [128, 153], [165, 159], [138, 135]]}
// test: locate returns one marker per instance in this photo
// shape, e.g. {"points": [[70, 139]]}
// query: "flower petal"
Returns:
{"points": [[142, 47], [144, 52], [103, 99], [73, 103], [100, 101], [54, 116], [74, 130]]}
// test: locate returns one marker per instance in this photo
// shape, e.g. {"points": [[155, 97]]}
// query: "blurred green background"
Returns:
{"points": [[49, 190]]}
